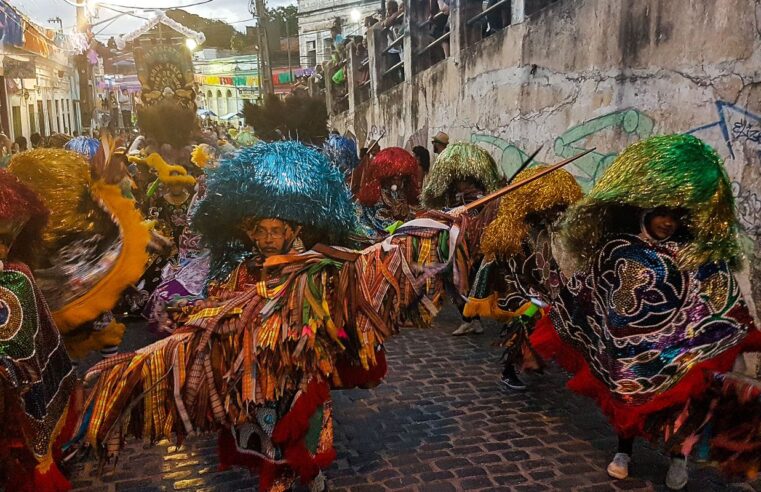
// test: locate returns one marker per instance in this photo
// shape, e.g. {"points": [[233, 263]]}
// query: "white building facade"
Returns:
{"points": [[47, 103], [317, 17], [225, 83]]}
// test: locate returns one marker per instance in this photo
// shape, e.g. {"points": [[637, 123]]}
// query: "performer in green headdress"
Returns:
{"points": [[655, 314], [461, 174]]}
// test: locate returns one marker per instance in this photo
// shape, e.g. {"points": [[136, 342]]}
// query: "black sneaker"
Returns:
{"points": [[513, 382]]}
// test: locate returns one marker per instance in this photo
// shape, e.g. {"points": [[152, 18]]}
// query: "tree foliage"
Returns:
{"points": [[299, 117], [218, 33], [281, 16]]}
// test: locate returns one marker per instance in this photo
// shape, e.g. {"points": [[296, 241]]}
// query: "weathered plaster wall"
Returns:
{"points": [[602, 73]]}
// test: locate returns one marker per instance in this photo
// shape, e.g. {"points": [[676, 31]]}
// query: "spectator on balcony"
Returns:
{"points": [[394, 30], [496, 20], [440, 23]]}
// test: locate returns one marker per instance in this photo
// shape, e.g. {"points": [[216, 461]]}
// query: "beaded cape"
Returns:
{"points": [[644, 326], [36, 374]]}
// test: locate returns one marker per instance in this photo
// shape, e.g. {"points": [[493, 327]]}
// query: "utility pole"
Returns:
{"points": [[259, 11], [288, 40]]}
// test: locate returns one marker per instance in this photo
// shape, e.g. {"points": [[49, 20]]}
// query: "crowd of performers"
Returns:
{"points": [[273, 273]]}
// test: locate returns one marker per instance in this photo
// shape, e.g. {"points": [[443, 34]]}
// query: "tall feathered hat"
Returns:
{"points": [[389, 162], [342, 152], [18, 202], [458, 162], [86, 146], [283, 180], [673, 171], [504, 236]]}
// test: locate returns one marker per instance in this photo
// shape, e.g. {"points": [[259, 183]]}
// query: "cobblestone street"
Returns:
{"points": [[440, 422]]}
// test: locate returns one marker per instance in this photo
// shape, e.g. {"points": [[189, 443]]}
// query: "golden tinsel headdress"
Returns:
{"points": [[459, 161], [71, 208], [672, 171], [505, 234]]}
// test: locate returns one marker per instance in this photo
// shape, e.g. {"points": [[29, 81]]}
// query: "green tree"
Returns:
{"points": [[218, 34], [281, 16]]}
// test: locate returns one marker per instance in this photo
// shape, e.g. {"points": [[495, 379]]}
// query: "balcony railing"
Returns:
{"points": [[425, 37]]}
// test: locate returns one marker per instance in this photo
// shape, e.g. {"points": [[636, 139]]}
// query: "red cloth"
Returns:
{"points": [[629, 420]]}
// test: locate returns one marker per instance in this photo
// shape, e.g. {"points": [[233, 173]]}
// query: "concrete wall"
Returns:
{"points": [[604, 73]]}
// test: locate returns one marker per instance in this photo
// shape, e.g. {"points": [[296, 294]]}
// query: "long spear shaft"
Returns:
{"points": [[512, 187]]}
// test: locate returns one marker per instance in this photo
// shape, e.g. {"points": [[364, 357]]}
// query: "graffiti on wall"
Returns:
{"points": [[735, 133], [631, 123]]}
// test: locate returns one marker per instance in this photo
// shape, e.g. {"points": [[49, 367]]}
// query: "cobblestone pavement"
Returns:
{"points": [[440, 422]]}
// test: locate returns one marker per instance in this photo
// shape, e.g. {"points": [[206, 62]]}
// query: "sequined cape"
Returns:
{"points": [[647, 331], [36, 375]]}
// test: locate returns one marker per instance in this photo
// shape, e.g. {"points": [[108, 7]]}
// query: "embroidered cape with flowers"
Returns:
{"points": [[646, 324]]}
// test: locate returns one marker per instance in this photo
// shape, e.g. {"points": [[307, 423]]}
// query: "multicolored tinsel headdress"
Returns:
{"points": [[18, 202], [672, 171], [504, 236], [283, 180], [388, 163], [458, 162], [86, 146], [342, 152]]}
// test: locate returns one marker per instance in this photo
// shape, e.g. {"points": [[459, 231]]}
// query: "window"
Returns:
{"points": [[17, 127], [58, 115], [50, 116], [67, 123], [32, 122], [41, 117]]}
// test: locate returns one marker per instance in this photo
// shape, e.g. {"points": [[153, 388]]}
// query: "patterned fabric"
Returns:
{"points": [[36, 375], [641, 323]]}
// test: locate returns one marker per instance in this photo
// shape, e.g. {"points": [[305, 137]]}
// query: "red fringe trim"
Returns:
{"points": [[50, 480], [353, 376], [291, 431], [628, 419]]}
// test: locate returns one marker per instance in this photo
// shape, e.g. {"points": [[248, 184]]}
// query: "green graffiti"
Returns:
{"points": [[590, 167], [511, 158], [630, 122]]}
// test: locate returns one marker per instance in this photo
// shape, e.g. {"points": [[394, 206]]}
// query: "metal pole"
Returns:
{"points": [[288, 37]]}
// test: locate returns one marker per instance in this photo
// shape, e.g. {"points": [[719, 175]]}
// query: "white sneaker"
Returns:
{"points": [[677, 477], [467, 327], [619, 467], [464, 328]]}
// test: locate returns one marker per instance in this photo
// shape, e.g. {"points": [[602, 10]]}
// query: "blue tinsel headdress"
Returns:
{"points": [[85, 146], [342, 152], [284, 180]]}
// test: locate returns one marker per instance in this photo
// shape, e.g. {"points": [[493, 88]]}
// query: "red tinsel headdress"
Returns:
{"points": [[18, 201], [390, 162]]}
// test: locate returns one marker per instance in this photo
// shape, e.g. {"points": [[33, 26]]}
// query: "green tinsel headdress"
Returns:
{"points": [[283, 180], [672, 171], [458, 162]]}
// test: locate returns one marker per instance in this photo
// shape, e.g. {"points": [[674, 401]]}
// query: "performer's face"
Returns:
{"points": [[395, 183], [662, 223], [270, 235], [9, 230]]}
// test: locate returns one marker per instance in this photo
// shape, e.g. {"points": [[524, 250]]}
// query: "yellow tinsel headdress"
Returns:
{"points": [[505, 234]]}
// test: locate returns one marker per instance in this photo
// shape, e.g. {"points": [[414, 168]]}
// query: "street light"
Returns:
{"points": [[355, 15], [191, 44]]}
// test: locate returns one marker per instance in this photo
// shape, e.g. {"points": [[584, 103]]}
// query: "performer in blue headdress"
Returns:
{"points": [[279, 329]]}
